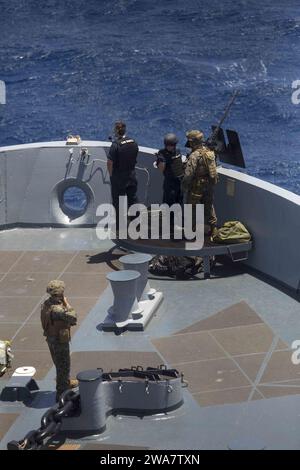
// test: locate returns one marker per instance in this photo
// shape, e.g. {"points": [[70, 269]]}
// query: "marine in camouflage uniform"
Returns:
{"points": [[200, 177], [57, 317]]}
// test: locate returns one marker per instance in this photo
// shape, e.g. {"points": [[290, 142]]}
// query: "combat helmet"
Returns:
{"points": [[56, 287], [170, 139], [194, 137]]}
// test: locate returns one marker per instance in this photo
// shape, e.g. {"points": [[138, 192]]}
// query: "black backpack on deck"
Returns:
{"points": [[180, 267]]}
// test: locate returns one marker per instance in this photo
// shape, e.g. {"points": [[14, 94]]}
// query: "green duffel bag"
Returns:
{"points": [[232, 232]]}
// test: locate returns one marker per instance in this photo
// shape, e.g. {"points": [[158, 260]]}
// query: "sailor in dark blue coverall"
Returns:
{"points": [[121, 161]]}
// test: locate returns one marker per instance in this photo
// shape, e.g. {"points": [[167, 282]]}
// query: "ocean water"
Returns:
{"points": [[171, 65]]}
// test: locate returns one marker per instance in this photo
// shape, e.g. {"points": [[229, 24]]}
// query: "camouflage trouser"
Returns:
{"points": [[60, 353], [204, 194]]}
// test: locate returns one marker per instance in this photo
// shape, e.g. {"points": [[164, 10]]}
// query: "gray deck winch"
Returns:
{"points": [[132, 391]]}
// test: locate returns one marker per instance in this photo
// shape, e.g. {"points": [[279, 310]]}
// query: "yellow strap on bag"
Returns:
{"points": [[232, 231]]}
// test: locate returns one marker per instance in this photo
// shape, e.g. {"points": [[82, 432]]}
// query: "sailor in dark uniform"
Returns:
{"points": [[121, 163], [169, 162]]}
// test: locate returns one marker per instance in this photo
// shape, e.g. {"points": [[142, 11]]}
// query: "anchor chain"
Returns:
{"points": [[51, 422], [69, 401]]}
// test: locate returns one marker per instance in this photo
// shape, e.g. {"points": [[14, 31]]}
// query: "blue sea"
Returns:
{"points": [[172, 65]]}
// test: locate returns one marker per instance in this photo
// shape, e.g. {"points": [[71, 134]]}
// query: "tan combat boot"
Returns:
{"points": [[73, 383], [213, 233]]}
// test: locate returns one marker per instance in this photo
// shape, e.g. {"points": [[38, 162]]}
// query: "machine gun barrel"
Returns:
{"points": [[225, 114]]}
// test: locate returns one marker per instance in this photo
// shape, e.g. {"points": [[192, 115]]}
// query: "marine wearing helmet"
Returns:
{"points": [[56, 288], [200, 177], [194, 138], [57, 317]]}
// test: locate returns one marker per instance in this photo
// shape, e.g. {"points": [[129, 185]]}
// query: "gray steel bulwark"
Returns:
{"points": [[34, 175], [272, 216]]}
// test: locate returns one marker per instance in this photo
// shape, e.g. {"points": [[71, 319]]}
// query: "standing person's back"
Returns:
{"points": [[200, 177], [121, 161]]}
